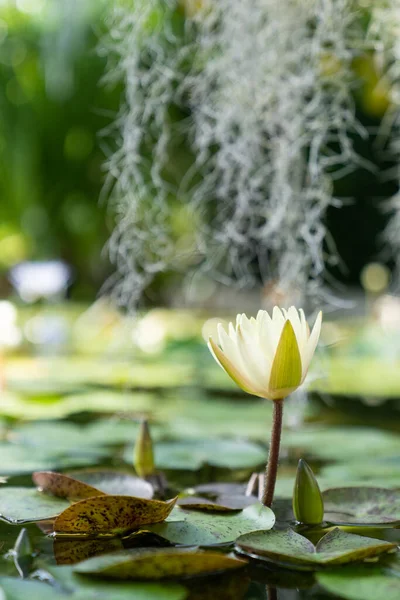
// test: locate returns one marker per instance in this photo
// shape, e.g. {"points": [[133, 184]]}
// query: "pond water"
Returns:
{"points": [[77, 411]]}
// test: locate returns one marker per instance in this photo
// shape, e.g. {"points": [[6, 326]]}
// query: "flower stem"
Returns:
{"points": [[273, 458]]}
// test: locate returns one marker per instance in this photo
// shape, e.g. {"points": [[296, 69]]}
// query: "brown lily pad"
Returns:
{"points": [[79, 485], [148, 564], [203, 504], [111, 515]]}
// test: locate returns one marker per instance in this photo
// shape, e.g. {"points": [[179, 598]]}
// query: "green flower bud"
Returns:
{"points": [[308, 505], [143, 457]]}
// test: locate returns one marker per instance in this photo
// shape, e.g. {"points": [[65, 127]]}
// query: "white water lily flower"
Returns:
{"points": [[267, 356]]}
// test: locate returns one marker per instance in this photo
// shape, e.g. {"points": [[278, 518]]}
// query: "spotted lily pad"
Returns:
{"points": [[24, 505], [193, 454], [362, 506], [288, 548], [111, 515], [360, 583], [206, 529], [92, 482], [158, 564]]}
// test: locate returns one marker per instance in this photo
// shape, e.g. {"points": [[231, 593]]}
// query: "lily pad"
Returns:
{"points": [[288, 548], [225, 504], [12, 588], [110, 515], [69, 584], [362, 506], [20, 459], [25, 505], [340, 443], [193, 454], [360, 583], [205, 529], [158, 564], [88, 483]]}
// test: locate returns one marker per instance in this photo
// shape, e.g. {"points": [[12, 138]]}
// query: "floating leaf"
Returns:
{"points": [[193, 454], [92, 482], [203, 504], [86, 588], [291, 549], [12, 588], [21, 459], [340, 443], [360, 583], [158, 564], [112, 515], [64, 486], [24, 505], [205, 529], [362, 505]]}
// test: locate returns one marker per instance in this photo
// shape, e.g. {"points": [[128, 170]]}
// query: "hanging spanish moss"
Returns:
{"points": [[235, 122]]}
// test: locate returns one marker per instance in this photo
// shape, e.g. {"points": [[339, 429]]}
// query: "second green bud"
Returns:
{"points": [[308, 505]]}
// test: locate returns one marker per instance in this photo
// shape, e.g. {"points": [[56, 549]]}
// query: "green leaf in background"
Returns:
{"points": [[193, 454], [153, 564], [342, 443], [362, 505], [192, 415], [360, 583], [24, 505], [205, 529], [24, 459], [290, 549]]}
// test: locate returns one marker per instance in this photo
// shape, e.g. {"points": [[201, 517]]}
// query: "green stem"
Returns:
{"points": [[273, 458]]}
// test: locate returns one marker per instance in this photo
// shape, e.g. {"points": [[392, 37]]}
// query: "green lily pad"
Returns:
{"points": [[291, 549], [60, 436], [193, 454], [158, 564], [110, 515], [21, 459], [92, 482], [360, 583], [384, 472], [24, 505], [205, 529], [12, 588], [205, 417], [340, 443], [362, 506]]}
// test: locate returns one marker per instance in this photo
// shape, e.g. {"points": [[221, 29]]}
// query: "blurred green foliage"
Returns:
{"points": [[52, 107]]}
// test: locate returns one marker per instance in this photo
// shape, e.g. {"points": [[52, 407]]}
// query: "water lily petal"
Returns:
{"points": [[231, 369], [286, 369], [312, 343]]}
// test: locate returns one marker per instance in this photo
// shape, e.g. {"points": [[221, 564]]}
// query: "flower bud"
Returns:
{"points": [[143, 457], [308, 505]]}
